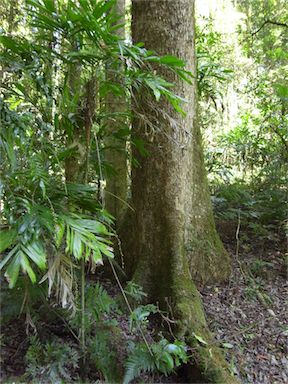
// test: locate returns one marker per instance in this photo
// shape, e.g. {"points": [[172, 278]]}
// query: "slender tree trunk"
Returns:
{"points": [[173, 227], [13, 10], [77, 168], [76, 165], [74, 139], [115, 143]]}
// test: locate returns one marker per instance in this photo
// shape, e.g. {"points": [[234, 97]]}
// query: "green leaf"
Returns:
{"points": [[27, 267], [7, 238], [92, 226], [8, 257], [227, 345], [96, 256], [172, 61], [281, 91], [9, 148], [185, 75], [175, 101], [8, 42], [172, 348], [168, 359], [43, 188], [20, 87], [59, 233], [36, 253], [139, 144], [12, 272], [77, 245], [68, 243], [106, 250], [200, 339], [157, 93], [50, 5], [142, 315]]}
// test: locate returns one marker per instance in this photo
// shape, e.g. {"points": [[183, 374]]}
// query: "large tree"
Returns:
{"points": [[169, 189], [173, 231]]}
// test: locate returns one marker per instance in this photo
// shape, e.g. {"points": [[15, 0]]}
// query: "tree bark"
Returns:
{"points": [[115, 143], [169, 189], [74, 139], [173, 233], [77, 165]]}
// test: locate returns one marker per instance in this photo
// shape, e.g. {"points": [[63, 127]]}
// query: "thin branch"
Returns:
{"points": [[275, 130], [279, 24]]}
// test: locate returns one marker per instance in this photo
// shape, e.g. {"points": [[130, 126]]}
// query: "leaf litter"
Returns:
{"points": [[248, 315]]}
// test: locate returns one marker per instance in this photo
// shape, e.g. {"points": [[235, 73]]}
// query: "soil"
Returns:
{"points": [[13, 349]]}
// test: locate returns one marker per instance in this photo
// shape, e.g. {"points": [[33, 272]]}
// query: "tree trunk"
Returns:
{"points": [[115, 142], [172, 181], [174, 234], [77, 165], [73, 139]]}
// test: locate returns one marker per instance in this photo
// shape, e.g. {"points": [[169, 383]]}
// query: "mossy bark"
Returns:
{"points": [[187, 309], [115, 142], [75, 137], [79, 139], [172, 235]]}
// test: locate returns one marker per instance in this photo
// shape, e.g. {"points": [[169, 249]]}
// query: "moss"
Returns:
{"points": [[208, 260], [191, 321]]}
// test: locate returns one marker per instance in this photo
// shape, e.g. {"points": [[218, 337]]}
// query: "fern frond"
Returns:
{"points": [[138, 362]]}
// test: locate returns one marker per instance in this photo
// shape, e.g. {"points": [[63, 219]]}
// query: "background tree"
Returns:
{"points": [[116, 131]]}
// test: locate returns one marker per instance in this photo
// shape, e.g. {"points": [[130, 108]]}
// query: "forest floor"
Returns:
{"points": [[247, 314]]}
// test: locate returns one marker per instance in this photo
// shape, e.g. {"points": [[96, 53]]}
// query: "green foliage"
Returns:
{"points": [[255, 291], [99, 302], [214, 73], [246, 142], [49, 219], [85, 32], [163, 357], [139, 361], [259, 267], [139, 317], [212, 76], [99, 305], [254, 149], [260, 210], [102, 354], [135, 291], [105, 338], [51, 362], [263, 36], [52, 143], [39, 208], [102, 332], [22, 300]]}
